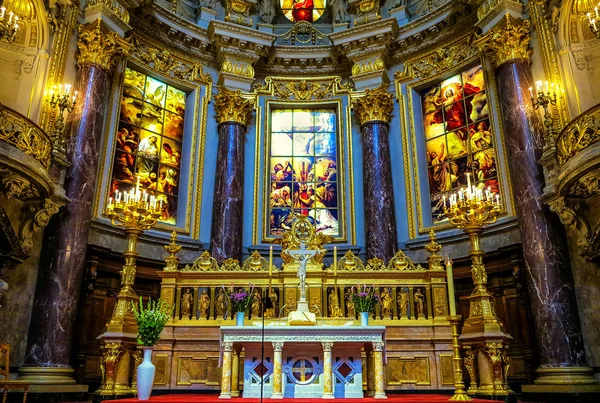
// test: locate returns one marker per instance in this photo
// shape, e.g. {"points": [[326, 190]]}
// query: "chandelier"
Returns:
{"points": [[594, 19], [8, 25]]}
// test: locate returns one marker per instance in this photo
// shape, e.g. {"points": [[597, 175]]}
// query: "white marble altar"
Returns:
{"points": [[302, 361]]}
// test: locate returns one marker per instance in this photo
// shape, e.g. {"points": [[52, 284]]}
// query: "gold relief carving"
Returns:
{"points": [[167, 63], [495, 354], [303, 33], [20, 132], [161, 361], [446, 370], [570, 220], [508, 42], [39, 217], [237, 68], [113, 6], [375, 105], [304, 90], [168, 295], [403, 370], [255, 263], [238, 10], [366, 10], [205, 262], [99, 47], [17, 187], [314, 302], [375, 264], [401, 262], [172, 249], [230, 265], [111, 354], [193, 370], [138, 358], [439, 301], [580, 133], [437, 61], [350, 262], [303, 231], [290, 300], [469, 360], [368, 66], [230, 106], [476, 309]]}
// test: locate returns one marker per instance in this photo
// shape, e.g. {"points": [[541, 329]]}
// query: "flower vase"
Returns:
{"points": [[145, 375], [239, 318], [364, 318]]}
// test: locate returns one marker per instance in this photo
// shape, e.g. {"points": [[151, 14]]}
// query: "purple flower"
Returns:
{"points": [[363, 294]]}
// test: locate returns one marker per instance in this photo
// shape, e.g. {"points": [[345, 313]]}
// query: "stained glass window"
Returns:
{"points": [[458, 137], [148, 140], [303, 169]]}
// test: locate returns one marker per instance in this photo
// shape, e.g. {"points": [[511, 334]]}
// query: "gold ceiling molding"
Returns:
{"points": [[98, 46], [438, 60], [374, 105], [580, 133], [309, 89], [231, 106], [507, 42], [113, 6], [167, 63]]}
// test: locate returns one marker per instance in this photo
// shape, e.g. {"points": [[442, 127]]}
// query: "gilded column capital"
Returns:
{"points": [[231, 106], [98, 46], [507, 41], [375, 105]]}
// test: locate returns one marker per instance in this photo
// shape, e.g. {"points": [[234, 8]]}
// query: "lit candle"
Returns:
{"points": [[589, 15], [10, 15], [137, 188], [460, 194], [109, 202], [538, 86], [450, 279], [3, 10], [468, 180], [445, 206], [145, 197], [161, 204], [335, 261], [271, 261], [596, 10], [531, 92]]}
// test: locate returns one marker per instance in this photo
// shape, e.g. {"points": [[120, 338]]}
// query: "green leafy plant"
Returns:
{"points": [[151, 320], [364, 300]]}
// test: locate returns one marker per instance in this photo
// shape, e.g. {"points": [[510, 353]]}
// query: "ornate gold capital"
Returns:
{"points": [[375, 105], [508, 41], [96, 45], [231, 106]]}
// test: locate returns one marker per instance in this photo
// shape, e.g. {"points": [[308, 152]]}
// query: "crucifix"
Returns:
{"points": [[302, 255]]}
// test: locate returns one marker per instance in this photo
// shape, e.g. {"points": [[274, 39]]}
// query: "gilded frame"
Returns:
{"points": [[265, 130], [407, 82], [201, 88]]}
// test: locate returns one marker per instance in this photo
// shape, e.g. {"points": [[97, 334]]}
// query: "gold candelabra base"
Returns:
{"points": [[459, 386]]}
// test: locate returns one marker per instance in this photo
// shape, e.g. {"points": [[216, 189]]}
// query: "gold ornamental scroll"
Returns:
{"points": [[375, 105], [508, 41], [98, 46], [231, 106]]}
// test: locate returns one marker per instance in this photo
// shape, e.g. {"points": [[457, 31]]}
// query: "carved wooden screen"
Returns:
{"points": [[148, 140], [303, 169], [458, 137]]}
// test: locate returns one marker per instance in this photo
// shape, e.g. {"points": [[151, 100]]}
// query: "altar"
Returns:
{"points": [[302, 361]]}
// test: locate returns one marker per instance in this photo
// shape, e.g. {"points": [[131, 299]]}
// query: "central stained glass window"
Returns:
{"points": [[303, 169], [458, 137]]}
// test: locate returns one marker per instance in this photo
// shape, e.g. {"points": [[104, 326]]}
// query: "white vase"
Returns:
{"points": [[239, 318], [145, 375], [364, 318]]}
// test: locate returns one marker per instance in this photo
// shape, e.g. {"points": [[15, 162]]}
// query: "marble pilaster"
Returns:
{"points": [[327, 371], [235, 374], [226, 371], [63, 262], [233, 114], [378, 370], [277, 368], [374, 112], [546, 257]]}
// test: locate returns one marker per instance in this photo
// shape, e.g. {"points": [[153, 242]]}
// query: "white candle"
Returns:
{"points": [[335, 261], [531, 92], [3, 10], [450, 279], [145, 197], [137, 188], [10, 15], [596, 10], [589, 15], [271, 261], [538, 86], [109, 202], [468, 180], [161, 204]]}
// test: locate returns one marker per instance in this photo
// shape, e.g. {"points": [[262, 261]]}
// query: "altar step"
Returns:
{"points": [[392, 398]]}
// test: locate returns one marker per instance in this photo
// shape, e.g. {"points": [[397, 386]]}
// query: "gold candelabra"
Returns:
{"points": [[8, 29], [546, 97], [61, 99], [134, 211], [594, 21], [471, 209], [459, 385]]}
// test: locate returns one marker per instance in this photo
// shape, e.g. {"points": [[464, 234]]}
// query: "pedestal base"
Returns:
{"points": [[564, 380], [47, 375], [302, 316]]}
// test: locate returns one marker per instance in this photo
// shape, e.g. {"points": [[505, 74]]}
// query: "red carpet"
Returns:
{"points": [[392, 398]]}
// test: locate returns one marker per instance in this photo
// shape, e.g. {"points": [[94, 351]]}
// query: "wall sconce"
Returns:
{"points": [[594, 19], [61, 99], [8, 25], [546, 97]]}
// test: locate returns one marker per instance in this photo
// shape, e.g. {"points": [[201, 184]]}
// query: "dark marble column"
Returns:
{"points": [[380, 222], [373, 112], [229, 192], [233, 112], [545, 251], [64, 252]]}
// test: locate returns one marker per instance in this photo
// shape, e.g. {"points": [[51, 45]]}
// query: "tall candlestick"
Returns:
{"points": [[270, 261], [450, 279], [335, 261]]}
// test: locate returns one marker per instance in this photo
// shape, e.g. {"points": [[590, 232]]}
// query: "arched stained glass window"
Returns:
{"points": [[149, 139], [458, 137], [303, 169]]}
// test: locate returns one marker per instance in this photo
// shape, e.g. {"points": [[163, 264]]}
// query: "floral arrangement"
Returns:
{"points": [[240, 299], [364, 300], [151, 320]]}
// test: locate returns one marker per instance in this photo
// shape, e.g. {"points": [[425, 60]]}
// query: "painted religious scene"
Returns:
{"points": [[303, 170], [303, 10], [148, 141], [458, 137]]}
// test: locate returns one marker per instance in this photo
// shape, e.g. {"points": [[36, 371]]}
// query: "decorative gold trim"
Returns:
{"points": [[406, 159], [506, 42], [98, 46], [231, 106], [375, 105], [579, 134], [317, 88]]}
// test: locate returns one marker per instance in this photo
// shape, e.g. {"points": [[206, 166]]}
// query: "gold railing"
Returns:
{"points": [[19, 131], [580, 133]]}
